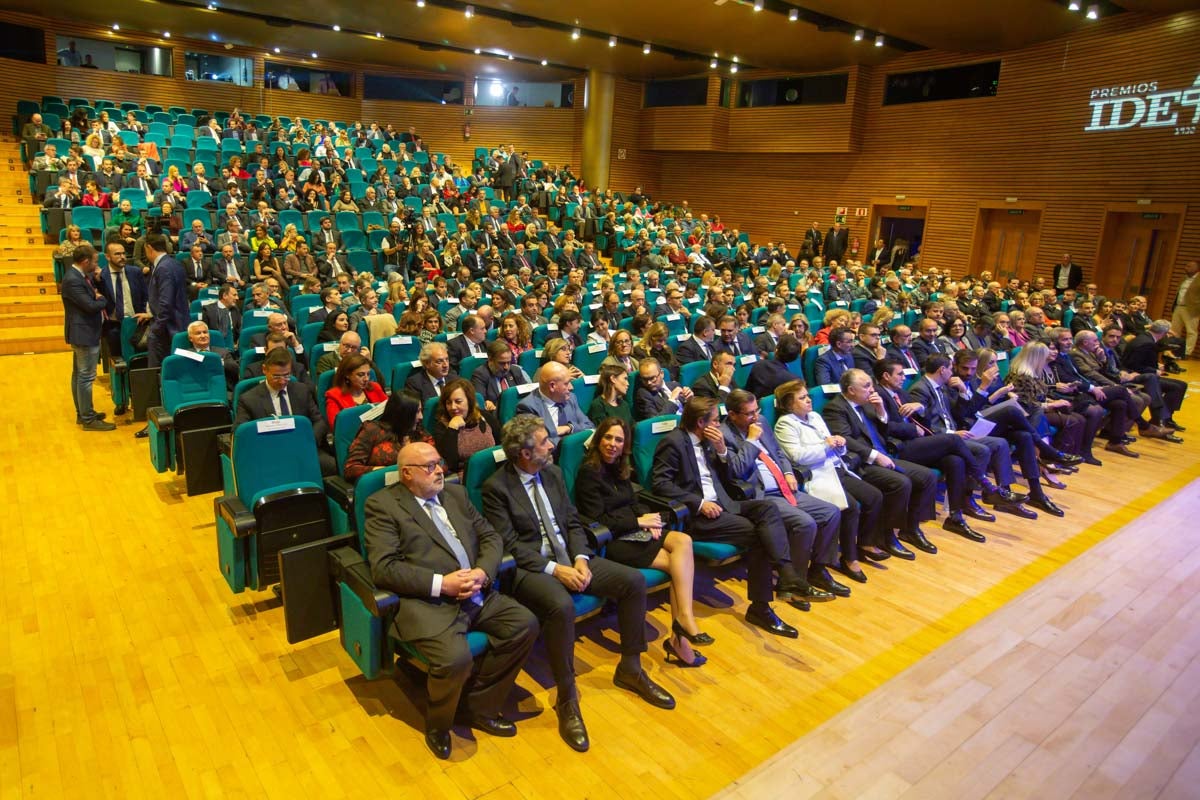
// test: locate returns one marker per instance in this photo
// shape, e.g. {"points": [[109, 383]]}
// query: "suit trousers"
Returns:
{"points": [[948, 453], [1011, 420], [158, 346], [511, 630], [860, 519], [801, 529], [760, 530], [991, 455], [551, 603], [1117, 402], [826, 517], [909, 494]]}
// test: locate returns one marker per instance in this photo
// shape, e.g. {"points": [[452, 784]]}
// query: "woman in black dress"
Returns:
{"points": [[604, 492]]}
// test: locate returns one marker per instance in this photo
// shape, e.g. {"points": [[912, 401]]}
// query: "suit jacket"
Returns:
{"points": [[506, 505], [923, 349], [571, 414], [169, 297], [815, 239], [320, 237], [894, 352], [211, 317], [459, 348], [843, 421], [405, 550], [743, 458], [830, 367], [836, 243], [419, 382], [194, 275], [131, 182], [1093, 369], [219, 272], [1075, 275], [765, 343], [83, 309], [675, 474], [137, 289], [256, 404], [689, 350], [706, 386], [744, 344], [648, 404], [767, 375], [488, 384]]}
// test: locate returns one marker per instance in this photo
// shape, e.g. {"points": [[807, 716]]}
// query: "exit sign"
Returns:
{"points": [[1016, 211], [1151, 215], [904, 208]]}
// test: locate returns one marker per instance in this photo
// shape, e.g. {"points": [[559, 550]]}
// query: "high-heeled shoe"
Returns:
{"points": [[698, 639], [697, 659], [1050, 480]]}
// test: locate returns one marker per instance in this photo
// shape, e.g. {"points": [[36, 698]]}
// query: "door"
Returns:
{"points": [[901, 225], [1135, 257], [1006, 242]]}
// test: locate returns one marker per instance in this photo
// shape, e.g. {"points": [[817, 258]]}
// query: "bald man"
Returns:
{"points": [[555, 404]]}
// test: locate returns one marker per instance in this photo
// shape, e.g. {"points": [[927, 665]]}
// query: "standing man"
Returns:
{"points": [[168, 301], [83, 304], [1185, 319], [1067, 275], [125, 290], [428, 544], [836, 242]]}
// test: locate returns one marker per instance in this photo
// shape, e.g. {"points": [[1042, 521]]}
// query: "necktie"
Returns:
{"points": [[503, 382], [553, 541], [284, 409], [737, 349], [876, 442], [442, 522], [231, 269], [777, 474], [942, 405], [441, 382], [119, 284], [226, 323]]}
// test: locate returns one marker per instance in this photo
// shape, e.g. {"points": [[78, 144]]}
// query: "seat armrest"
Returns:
{"points": [[225, 444], [673, 511], [161, 419], [240, 519], [350, 568], [119, 365], [598, 534], [341, 491]]}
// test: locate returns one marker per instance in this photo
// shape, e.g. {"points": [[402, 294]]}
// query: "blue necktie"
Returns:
{"points": [[876, 442], [120, 295]]}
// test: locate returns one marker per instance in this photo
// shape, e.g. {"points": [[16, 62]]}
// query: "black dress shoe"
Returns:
{"points": [[917, 539], [855, 575], [1046, 504], [1091, 459], [959, 525], [766, 619], [877, 555], [143, 433], [571, 727], [119, 410], [695, 639], [1170, 437], [438, 743], [1001, 495], [1127, 439], [641, 685], [1173, 425], [976, 511], [496, 726], [894, 548], [798, 603], [1016, 509], [822, 580], [1067, 459]]}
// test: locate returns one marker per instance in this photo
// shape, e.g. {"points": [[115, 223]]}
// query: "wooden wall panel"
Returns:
{"points": [[1027, 142], [681, 127], [639, 166]]}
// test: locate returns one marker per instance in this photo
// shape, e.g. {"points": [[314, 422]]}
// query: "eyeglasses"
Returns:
{"points": [[430, 467]]}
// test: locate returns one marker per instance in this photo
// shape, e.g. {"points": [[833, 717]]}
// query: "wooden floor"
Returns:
{"points": [[127, 669]]}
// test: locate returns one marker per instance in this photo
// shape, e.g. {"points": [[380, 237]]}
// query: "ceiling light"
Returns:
{"points": [[712, 64], [735, 59], [116, 27], [1093, 11], [469, 11], [314, 55], [276, 51], [793, 15], [859, 34], [166, 34], [612, 41], [733, 69], [378, 35], [646, 49], [1073, 5], [212, 6], [510, 56], [337, 27], [420, 3], [213, 36], [576, 33], [879, 40], [758, 5], [544, 62], [478, 50]]}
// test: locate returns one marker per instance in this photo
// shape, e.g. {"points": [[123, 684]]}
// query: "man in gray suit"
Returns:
{"points": [[84, 304], [428, 544], [554, 403]]}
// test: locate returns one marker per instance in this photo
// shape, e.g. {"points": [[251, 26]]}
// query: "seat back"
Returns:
{"points": [[588, 357], [766, 411], [571, 450], [809, 362], [367, 485], [345, 428], [393, 350], [481, 466], [510, 398], [819, 398], [691, 372], [192, 378], [584, 389], [241, 387], [269, 454], [646, 435]]}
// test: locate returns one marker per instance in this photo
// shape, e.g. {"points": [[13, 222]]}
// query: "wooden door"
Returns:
{"points": [[1136, 254], [1006, 242]]}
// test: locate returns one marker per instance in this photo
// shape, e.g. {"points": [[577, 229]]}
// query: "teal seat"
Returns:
{"points": [[506, 409], [467, 367], [588, 357], [693, 371], [809, 362], [741, 372], [571, 450], [543, 333], [394, 350], [400, 373], [819, 398], [193, 395], [279, 500], [481, 466], [646, 435], [766, 410], [584, 389], [345, 427]]}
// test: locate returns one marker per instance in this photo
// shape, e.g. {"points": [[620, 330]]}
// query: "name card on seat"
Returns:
{"points": [[402, 340], [526, 388], [1001, 355], [193, 355], [831, 388], [664, 426], [264, 312], [500, 456], [591, 380], [597, 347], [277, 424], [749, 358]]}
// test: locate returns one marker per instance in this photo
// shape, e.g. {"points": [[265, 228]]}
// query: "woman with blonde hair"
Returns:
{"points": [[654, 345], [560, 350], [834, 318]]}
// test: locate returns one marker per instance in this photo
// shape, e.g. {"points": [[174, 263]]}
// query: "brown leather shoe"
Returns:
{"points": [[1159, 432], [1117, 447]]}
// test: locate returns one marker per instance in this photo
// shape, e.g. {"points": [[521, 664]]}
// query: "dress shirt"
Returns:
{"points": [[708, 489], [533, 483], [125, 292], [276, 398]]}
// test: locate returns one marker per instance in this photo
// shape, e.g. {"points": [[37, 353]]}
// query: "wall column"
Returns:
{"points": [[597, 128]]}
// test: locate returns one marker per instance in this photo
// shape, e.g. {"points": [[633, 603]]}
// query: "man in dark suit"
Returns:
{"points": [[656, 396], [200, 338], [554, 404], [473, 341], [428, 544], [434, 373], [168, 297], [814, 238], [836, 242], [196, 269], [837, 360], [84, 305], [527, 501], [766, 342], [700, 347], [1141, 357], [909, 490], [225, 267], [732, 340], [1067, 275], [879, 255], [927, 343], [280, 396], [1165, 394], [868, 349], [691, 465], [277, 339], [325, 234], [757, 460], [497, 374], [224, 315], [124, 289], [900, 349], [718, 381]]}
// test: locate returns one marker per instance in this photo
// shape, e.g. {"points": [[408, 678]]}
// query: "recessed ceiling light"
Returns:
{"points": [[794, 15], [879, 40], [469, 11], [612, 41], [735, 59], [859, 34], [116, 27], [276, 51], [576, 33], [166, 34], [646, 49], [544, 62], [420, 3], [733, 69], [478, 50], [314, 55], [1093, 11], [712, 64], [510, 56], [337, 27], [378, 35], [758, 5], [1073, 6], [212, 6]]}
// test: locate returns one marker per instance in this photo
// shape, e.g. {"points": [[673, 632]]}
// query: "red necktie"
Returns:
{"points": [[777, 474]]}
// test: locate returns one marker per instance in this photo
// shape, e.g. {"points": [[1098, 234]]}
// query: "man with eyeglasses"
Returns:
{"points": [[497, 374], [279, 396], [429, 545], [528, 503], [655, 395]]}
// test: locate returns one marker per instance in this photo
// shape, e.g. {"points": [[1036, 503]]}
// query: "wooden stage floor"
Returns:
{"points": [[127, 669]]}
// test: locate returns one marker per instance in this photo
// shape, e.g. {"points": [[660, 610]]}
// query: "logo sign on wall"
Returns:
{"points": [[1143, 105]]}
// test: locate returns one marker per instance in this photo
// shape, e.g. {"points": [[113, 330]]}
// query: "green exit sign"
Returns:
{"points": [[1016, 211], [904, 208], [1151, 215]]}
